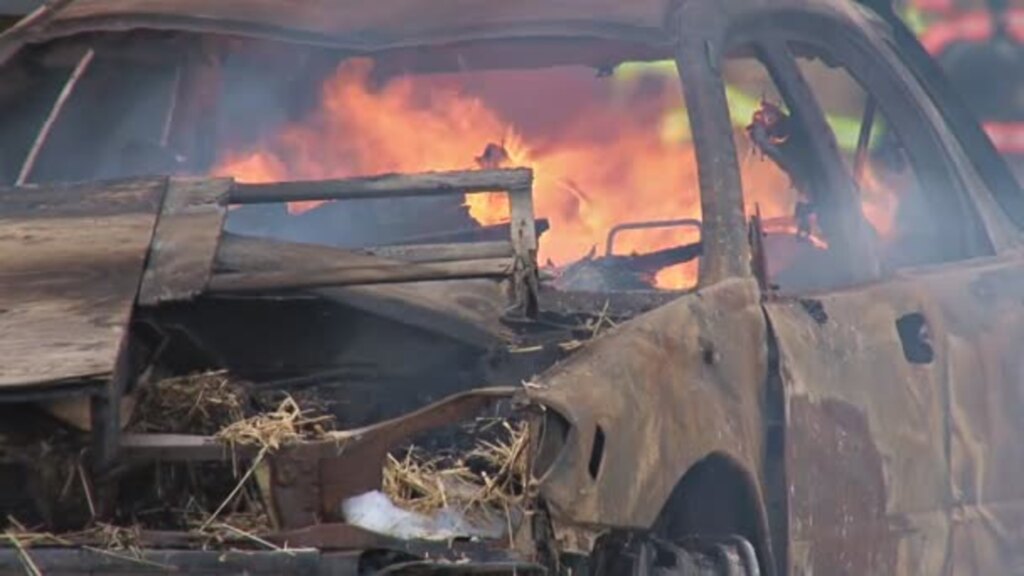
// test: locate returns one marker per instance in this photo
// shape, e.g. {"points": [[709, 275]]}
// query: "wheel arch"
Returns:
{"points": [[716, 497]]}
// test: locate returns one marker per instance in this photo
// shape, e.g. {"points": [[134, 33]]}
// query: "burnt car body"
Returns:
{"points": [[863, 419]]}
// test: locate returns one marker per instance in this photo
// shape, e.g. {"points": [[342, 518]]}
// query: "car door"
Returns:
{"points": [[896, 396]]}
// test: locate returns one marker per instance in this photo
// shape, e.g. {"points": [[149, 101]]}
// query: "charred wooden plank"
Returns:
{"points": [[524, 230], [386, 186], [355, 273], [467, 310], [185, 242], [442, 252], [73, 257]]}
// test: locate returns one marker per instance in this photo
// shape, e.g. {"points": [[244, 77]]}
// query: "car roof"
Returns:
{"points": [[366, 24]]}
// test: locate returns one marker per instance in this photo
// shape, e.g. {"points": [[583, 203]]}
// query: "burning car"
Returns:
{"points": [[718, 335]]}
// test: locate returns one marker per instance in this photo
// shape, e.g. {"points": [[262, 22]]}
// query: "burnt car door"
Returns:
{"points": [[895, 395]]}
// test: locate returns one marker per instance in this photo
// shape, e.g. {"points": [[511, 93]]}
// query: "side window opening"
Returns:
{"points": [[107, 125], [780, 182], [906, 206], [894, 173], [875, 157]]}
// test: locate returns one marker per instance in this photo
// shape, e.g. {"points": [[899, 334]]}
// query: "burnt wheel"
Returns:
{"points": [[651, 556]]}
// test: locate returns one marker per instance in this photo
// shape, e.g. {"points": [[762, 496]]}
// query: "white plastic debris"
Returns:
{"points": [[375, 512]]}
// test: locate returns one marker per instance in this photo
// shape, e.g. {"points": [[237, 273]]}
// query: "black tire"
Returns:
{"points": [[651, 556]]}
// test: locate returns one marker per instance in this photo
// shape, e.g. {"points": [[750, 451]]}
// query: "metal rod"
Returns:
{"points": [[44, 132], [610, 245], [864, 139]]}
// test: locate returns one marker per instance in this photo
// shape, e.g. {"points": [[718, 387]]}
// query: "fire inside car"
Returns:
{"points": [[615, 176], [587, 302], [616, 185]]}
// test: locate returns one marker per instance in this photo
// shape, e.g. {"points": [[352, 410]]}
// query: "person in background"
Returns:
{"points": [[980, 44]]}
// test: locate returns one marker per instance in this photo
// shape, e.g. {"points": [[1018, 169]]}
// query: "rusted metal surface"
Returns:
{"points": [[854, 402], [666, 390], [185, 242], [976, 325], [73, 257], [334, 537], [903, 448]]}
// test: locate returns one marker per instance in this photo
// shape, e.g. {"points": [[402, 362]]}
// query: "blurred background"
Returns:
{"points": [[980, 44]]}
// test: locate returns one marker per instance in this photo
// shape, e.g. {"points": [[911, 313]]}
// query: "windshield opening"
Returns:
{"points": [[608, 143]]}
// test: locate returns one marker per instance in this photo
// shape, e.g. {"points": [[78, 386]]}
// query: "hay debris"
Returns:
{"points": [[195, 404], [492, 477], [120, 542], [23, 555], [271, 430]]}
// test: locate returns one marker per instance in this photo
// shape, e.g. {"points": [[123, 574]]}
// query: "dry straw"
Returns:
{"points": [[423, 483], [195, 404]]}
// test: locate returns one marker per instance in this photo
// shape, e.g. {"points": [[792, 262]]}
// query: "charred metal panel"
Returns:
{"points": [[866, 441], [663, 391], [72, 259], [982, 308]]}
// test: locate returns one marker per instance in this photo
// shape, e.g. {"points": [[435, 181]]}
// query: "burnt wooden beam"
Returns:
{"points": [[439, 307], [386, 186], [358, 274], [443, 252], [524, 229]]}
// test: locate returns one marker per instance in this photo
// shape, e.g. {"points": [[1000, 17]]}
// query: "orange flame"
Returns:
{"points": [[879, 201], [606, 163], [606, 166]]}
